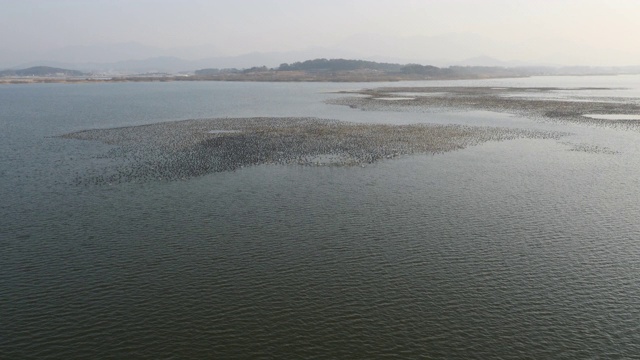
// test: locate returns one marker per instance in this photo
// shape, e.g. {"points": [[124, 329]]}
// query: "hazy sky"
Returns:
{"points": [[585, 31]]}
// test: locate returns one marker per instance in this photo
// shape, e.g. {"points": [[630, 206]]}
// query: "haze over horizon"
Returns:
{"points": [[564, 32]]}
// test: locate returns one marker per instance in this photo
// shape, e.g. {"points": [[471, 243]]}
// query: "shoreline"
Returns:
{"points": [[338, 78], [390, 79]]}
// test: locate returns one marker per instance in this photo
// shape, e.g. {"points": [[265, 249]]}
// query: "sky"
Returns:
{"points": [[585, 32]]}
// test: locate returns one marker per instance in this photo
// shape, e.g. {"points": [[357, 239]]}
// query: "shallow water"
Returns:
{"points": [[394, 98], [613, 116], [513, 249]]}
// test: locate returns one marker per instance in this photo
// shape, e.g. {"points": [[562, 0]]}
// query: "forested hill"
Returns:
{"points": [[359, 70], [342, 65], [41, 71], [339, 65]]}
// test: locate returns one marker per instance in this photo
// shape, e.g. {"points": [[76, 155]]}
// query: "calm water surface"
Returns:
{"points": [[518, 249]]}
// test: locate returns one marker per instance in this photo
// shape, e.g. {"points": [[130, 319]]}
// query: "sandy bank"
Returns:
{"points": [[540, 103]]}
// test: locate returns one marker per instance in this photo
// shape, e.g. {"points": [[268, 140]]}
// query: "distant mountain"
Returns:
{"points": [[173, 64], [130, 58], [440, 50], [107, 57], [41, 71], [489, 61], [453, 49], [110, 53]]}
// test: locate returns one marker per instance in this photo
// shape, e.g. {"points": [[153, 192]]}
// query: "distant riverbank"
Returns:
{"points": [[284, 76], [317, 70]]}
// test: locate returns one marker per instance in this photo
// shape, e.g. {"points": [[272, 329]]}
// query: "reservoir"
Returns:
{"points": [[511, 247]]}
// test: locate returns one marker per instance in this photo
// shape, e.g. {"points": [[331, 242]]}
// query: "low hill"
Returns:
{"points": [[339, 65], [42, 71], [359, 70]]}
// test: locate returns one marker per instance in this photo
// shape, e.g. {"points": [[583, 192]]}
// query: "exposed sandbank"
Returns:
{"points": [[528, 102]]}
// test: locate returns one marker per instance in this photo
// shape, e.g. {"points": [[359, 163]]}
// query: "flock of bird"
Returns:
{"points": [[190, 148]]}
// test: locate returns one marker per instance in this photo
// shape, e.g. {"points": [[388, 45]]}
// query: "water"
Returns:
{"points": [[516, 249], [613, 116]]}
